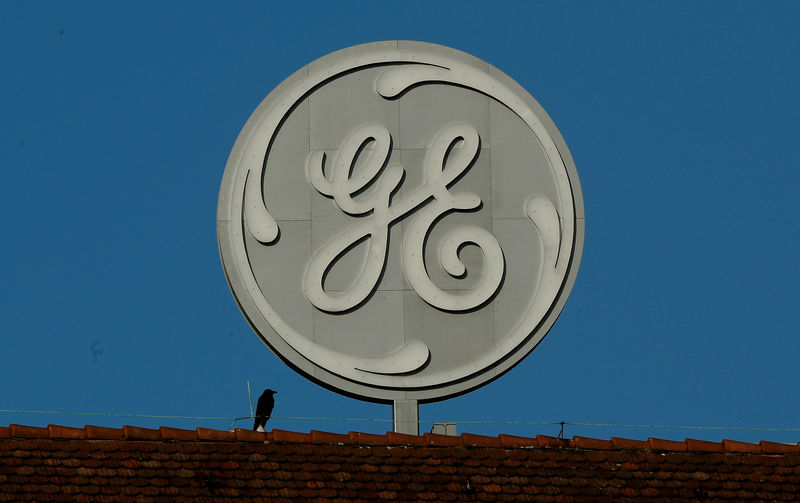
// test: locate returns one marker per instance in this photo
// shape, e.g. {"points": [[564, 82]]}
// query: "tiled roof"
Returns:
{"points": [[93, 463]]}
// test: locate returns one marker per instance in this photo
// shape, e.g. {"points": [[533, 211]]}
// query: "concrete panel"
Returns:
{"points": [[517, 174], [346, 103], [520, 166], [520, 243], [282, 286], [425, 110], [373, 330], [467, 335], [286, 191]]}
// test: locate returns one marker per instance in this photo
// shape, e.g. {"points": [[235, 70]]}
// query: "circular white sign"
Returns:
{"points": [[400, 220]]}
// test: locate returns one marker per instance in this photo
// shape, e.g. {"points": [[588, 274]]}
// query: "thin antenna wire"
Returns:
{"points": [[250, 396], [375, 420], [114, 414]]}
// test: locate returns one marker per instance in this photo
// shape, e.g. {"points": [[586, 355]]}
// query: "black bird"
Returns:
{"points": [[264, 409]]}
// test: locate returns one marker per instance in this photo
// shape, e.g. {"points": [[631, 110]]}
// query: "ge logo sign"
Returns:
{"points": [[400, 220]]}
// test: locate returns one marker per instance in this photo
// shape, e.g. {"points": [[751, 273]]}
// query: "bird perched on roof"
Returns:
{"points": [[264, 409]]}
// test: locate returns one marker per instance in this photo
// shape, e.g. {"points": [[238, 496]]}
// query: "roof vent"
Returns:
{"points": [[444, 429]]}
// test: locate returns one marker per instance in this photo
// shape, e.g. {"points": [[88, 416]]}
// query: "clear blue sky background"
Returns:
{"points": [[116, 120]]}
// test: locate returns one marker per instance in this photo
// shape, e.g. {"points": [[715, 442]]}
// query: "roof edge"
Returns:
{"points": [[168, 434]]}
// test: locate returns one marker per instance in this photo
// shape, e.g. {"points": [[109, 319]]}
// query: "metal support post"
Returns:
{"points": [[406, 416]]}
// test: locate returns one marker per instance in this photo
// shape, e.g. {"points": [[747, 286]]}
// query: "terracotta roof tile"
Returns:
{"points": [[702, 445], [403, 439], [136, 433], [666, 445], [208, 434], [766, 447], [290, 436], [366, 438], [514, 441], [324, 437], [95, 464], [545, 441], [734, 446], [629, 445], [102, 433], [66, 432], [437, 439], [177, 434], [28, 431], [480, 440], [592, 443]]}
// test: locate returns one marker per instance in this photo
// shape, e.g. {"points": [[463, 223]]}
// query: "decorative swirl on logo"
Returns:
{"points": [[443, 164]]}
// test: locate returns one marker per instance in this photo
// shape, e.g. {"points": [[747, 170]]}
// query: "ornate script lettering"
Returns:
{"points": [[451, 152]]}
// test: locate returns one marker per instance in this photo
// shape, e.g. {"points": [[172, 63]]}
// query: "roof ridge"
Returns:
{"points": [[170, 434]]}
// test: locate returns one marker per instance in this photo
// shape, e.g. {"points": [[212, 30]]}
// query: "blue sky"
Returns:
{"points": [[116, 121]]}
